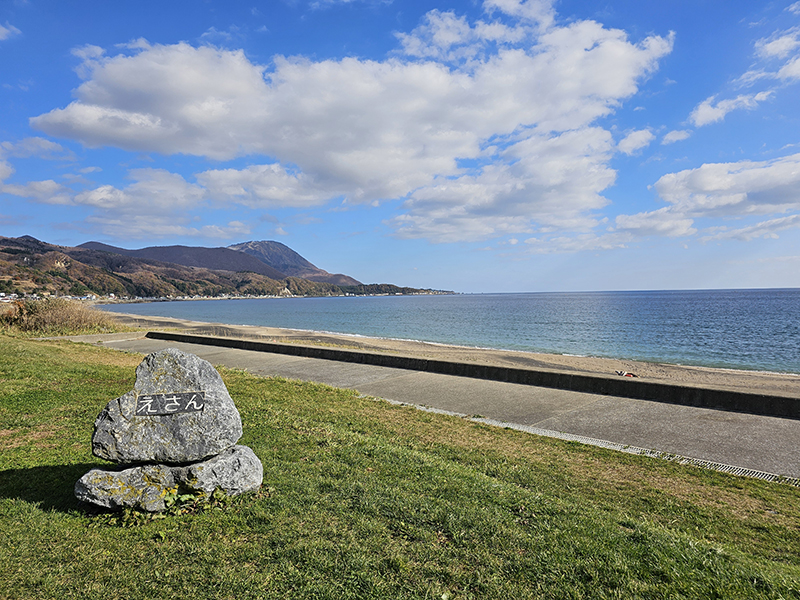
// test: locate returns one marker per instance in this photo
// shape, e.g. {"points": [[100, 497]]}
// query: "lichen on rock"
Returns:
{"points": [[147, 487]]}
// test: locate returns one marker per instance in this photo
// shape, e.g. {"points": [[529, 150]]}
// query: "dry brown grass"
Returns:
{"points": [[41, 436], [54, 316]]}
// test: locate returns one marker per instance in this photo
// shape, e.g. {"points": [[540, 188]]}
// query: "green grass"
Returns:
{"points": [[363, 499]]}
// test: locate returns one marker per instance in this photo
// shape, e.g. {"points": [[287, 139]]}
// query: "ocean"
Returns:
{"points": [[735, 329]]}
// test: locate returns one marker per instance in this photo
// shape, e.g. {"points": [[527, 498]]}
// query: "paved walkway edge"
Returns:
{"points": [[569, 437], [623, 387]]}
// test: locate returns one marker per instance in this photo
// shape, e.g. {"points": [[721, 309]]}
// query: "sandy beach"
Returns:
{"points": [[777, 384]]}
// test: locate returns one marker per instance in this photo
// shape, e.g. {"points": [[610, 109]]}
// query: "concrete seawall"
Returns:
{"points": [[701, 397]]}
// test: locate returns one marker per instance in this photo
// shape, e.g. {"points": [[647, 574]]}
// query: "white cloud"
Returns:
{"points": [[764, 229], [263, 186], [7, 31], [675, 136], [790, 71], [794, 8], [490, 93], [447, 37], [154, 192], [156, 204], [734, 189], [779, 46], [6, 171], [35, 147], [214, 36], [777, 59], [661, 222], [636, 140], [437, 37], [139, 102], [782, 47], [539, 12], [88, 52], [707, 112], [47, 191], [585, 242], [144, 227], [544, 182]]}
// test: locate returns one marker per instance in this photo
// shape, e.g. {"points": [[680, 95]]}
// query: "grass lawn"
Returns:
{"points": [[363, 499]]}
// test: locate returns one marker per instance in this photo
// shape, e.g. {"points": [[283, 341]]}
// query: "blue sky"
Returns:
{"points": [[496, 145]]}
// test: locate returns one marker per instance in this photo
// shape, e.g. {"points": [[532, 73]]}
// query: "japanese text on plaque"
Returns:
{"points": [[151, 405]]}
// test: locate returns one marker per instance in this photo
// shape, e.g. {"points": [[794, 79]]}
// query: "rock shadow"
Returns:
{"points": [[51, 487]]}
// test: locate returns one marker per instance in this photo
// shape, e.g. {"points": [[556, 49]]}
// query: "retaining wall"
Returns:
{"points": [[624, 387]]}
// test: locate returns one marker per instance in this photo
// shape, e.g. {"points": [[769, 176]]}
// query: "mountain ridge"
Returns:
{"points": [[30, 266], [279, 256], [216, 259]]}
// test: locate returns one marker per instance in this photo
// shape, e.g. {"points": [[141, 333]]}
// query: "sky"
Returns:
{"points": [[474, 145]]}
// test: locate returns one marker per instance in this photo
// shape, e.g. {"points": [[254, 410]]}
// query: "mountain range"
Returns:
{"points": [[273, 259], [260, 268]]}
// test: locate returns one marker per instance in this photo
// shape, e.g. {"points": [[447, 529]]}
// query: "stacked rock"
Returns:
{"points": [[176, 431]]}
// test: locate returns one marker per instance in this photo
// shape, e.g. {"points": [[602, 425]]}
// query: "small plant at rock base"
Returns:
{"points": [[196, 501], [176, 504]]}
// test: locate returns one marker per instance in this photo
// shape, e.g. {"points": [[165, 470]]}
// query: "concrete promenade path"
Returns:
{"points": [[751, 442]]}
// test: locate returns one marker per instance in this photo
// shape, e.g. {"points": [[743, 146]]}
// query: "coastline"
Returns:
{"points": [[778, 384]]}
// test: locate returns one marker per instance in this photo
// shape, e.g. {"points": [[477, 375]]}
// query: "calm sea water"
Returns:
{"points": [[740, 329]]}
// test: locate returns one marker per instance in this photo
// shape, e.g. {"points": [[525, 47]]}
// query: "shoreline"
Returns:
{"points": [[761, 382], [677, 330]]}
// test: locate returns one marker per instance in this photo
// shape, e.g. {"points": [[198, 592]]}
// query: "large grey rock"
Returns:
{"points": [[123, 436], [146, 487]]}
